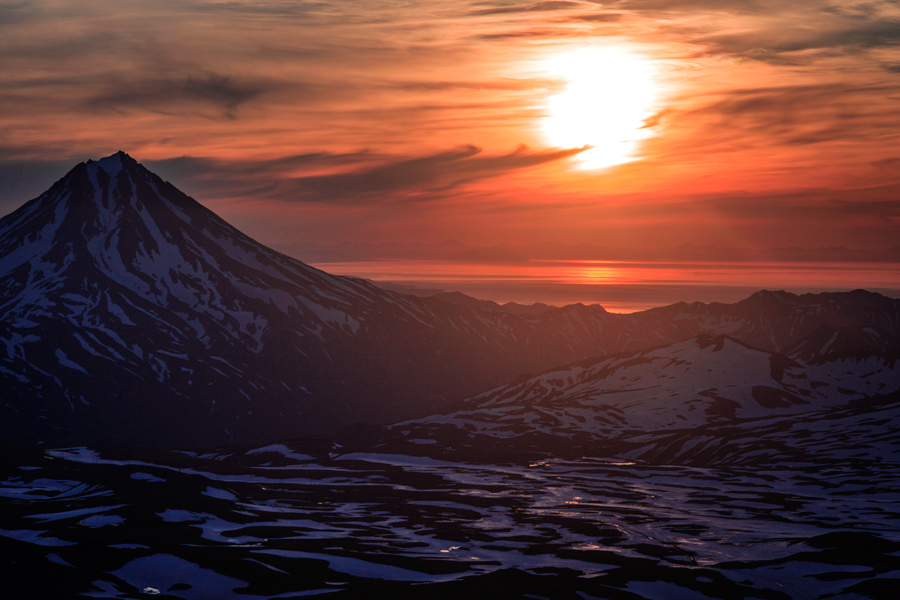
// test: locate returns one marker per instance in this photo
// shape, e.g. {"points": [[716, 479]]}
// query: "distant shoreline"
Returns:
{"points": [[618, 286]]}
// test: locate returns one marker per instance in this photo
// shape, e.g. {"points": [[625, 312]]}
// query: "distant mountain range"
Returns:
{"points": [[132, 314]]}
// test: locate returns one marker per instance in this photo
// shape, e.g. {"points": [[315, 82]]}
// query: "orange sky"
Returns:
{"points": [[772, 124]]}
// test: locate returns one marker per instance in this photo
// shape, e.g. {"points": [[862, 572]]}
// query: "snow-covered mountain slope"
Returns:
{"points": [[132, 313], [130, 307], [686, 400]]}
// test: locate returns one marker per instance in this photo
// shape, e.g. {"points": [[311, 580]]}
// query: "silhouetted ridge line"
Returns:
{"points": [[133, 314]]}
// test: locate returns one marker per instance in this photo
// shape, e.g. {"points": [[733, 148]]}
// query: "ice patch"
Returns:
{"points": [[65, 362], [281, 449], [54, 558], [163, 571], [360, 568], [33, 537], [146, 477], [220, 494], [177, 515], [101, 521], [78, 512]]}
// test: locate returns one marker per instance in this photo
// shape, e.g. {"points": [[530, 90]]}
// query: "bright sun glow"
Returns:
{"points": [[604, 106]]}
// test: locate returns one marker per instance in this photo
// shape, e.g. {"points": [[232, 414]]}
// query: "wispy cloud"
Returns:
{"points": [[423, 175], [813, 205], [799, 115], [358, 178], [350, 106], [16, 12], [535, 7], [609, 17], [835, 34], [222, 92]]}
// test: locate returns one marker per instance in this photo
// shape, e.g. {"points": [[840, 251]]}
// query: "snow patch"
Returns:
{"points": [[65, 362]]}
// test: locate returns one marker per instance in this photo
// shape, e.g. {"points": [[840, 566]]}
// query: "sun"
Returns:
{"points": [[604, 106]]}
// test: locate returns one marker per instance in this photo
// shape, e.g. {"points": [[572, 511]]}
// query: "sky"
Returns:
{"points": [[746, 123]]}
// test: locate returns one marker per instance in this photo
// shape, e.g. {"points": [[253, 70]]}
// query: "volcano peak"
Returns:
{"points": [[114, 163]]}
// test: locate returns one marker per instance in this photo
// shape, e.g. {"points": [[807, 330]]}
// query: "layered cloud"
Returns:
{"points": [[771, 117], [352, 179], [222, 92]]}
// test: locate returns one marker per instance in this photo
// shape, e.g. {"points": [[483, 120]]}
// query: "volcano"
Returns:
{"points": [[132, 314]]}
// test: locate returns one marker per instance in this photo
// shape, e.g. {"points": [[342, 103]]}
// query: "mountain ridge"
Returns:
{"points": [[133, 314], [708, 401]]}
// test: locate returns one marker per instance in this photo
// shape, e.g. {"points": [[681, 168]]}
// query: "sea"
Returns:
{"points": [[619, 286]]}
